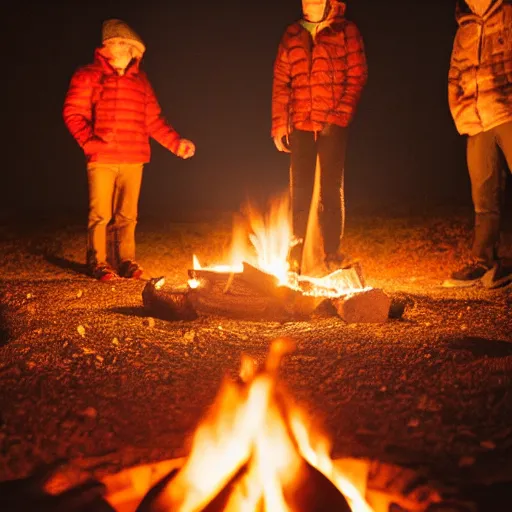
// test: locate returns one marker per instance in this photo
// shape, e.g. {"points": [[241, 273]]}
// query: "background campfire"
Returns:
{"points": [[258, 283]]}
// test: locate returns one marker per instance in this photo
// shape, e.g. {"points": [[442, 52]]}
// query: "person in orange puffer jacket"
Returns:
{"points": [[111, 110], [480, 100], [319, 74]]}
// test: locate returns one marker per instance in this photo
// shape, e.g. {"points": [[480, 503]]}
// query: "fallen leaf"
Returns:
{"points": [[81, 330]]}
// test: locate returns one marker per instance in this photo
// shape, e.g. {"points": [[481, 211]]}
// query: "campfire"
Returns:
{"points": [[257, 451], [257, 282]]}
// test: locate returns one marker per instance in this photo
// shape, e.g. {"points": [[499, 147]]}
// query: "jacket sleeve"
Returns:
{"points": [[77, 111], [156, 125], [357, 69], [281, 90], [455, 90]]}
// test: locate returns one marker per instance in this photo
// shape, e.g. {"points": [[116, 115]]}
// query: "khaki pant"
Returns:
{"points": [[113, 198]]}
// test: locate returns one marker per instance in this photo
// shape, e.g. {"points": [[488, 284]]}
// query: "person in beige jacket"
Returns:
{"points": [[480, 99]]}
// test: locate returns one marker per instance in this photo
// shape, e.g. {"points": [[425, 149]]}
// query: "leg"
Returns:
{"points": [[126, 208], [302, 180], [332, 145], [504, 139], [101, 178], [486, 180]]}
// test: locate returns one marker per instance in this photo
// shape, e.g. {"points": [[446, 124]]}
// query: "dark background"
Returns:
{"points": [[211, 66]]}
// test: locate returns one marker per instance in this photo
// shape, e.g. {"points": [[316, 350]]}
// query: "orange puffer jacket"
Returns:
{"points": [[318, 81], [112, 116], [480, 76]]}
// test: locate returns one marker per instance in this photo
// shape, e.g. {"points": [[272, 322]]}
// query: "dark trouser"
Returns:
{"points": [[330, 147], [487, 186]]}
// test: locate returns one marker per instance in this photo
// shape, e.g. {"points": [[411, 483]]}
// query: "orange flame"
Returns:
{"points": [[270, 236], [252, 429]]}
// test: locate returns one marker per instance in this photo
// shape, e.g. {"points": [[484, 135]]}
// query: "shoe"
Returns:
{"points": [[500, 276], [337, 261], [295, 257], [103, 272], [130, 270], [469, 275]]}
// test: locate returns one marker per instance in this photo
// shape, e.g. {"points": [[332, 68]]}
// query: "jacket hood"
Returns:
{"points": [[337, 9], [463, 12]]}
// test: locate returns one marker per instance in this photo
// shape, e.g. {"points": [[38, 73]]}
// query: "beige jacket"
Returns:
{"points": [[480, 76]]}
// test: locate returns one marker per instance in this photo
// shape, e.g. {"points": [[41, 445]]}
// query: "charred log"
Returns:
{"points": [[167, 303], [250, 295], [314, 492]]}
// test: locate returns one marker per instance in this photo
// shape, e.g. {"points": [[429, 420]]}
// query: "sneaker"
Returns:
{"points": [[295, 257], [469, 275], [103, 272], [338, 261], [130, 269], [500, 276]]}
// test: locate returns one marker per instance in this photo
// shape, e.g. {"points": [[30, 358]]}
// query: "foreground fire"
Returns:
{"points": [[255, 451]]}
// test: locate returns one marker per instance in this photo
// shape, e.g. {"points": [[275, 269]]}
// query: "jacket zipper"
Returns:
{"points": [[477, 68]]}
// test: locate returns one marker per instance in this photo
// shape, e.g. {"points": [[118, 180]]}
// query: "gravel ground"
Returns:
{"points": [[85, 373]]}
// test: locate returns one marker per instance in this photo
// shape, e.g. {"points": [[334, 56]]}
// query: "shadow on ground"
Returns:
{"points": [[66, 264], [481, 347]]}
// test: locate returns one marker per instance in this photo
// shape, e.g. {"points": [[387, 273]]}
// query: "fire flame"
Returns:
{"points": [[255, 438], [271, 236]]}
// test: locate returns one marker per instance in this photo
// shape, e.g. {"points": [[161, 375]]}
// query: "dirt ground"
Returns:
{"points": [[85, 373]]}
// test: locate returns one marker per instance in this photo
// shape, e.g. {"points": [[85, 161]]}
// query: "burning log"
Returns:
{"points": [[251, 294], [256, 295], [252, 452], [166, 302], [255, 450], [367, 306]]}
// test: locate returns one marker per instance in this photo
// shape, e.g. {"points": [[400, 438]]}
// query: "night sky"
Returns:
{"points": [[210, 64]]}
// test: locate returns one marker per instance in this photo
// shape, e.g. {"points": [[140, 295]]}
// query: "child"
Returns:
{"points": [[111, 110]]}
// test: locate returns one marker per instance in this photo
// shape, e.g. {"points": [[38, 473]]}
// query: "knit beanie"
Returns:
{"points": [[118, 29]]}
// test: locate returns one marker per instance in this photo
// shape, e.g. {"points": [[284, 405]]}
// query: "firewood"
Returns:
{"points": [[266, 284], [250, 295], [167, 303], [312, 491], [366, 306]]}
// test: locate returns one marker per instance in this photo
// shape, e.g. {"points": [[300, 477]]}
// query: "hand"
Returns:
{"points": [[279, 140], [185, 149], [94, 145]]}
